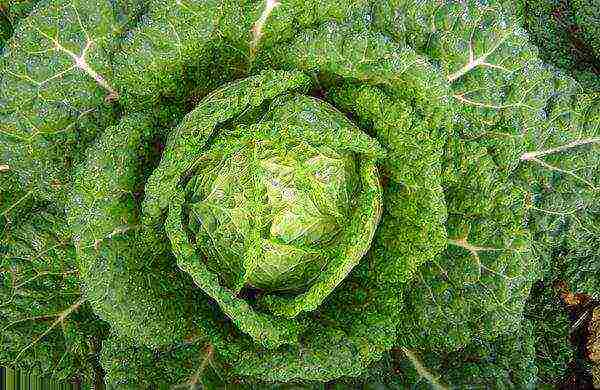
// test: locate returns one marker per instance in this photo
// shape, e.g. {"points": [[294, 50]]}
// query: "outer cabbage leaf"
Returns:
{"points": [[506, 363], [10, 15], [537, 355], [147, 300], [55, 78], [551, 333], [561, 167], [481, 50], [47, 327], [505, 98], [183, 366], [182, 50], [478, 287]]}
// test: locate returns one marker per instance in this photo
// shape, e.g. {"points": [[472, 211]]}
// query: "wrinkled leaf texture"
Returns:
{"points": [[491, 171]]}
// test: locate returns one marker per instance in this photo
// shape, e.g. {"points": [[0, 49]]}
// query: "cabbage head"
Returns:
{"points": [[250, 219], [264, 193]]}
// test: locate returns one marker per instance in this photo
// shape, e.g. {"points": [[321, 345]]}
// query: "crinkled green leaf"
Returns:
{"points": [[457, 159], [478, 286], [11, 14], [566, 33], [141, 299], [47, 327], [414, 199], [506, 363], [551, 334], [184, 365], [563, 158], [55, 88]]}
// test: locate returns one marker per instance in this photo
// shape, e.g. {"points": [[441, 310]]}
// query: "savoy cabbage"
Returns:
{"points": [[261, 193]]}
